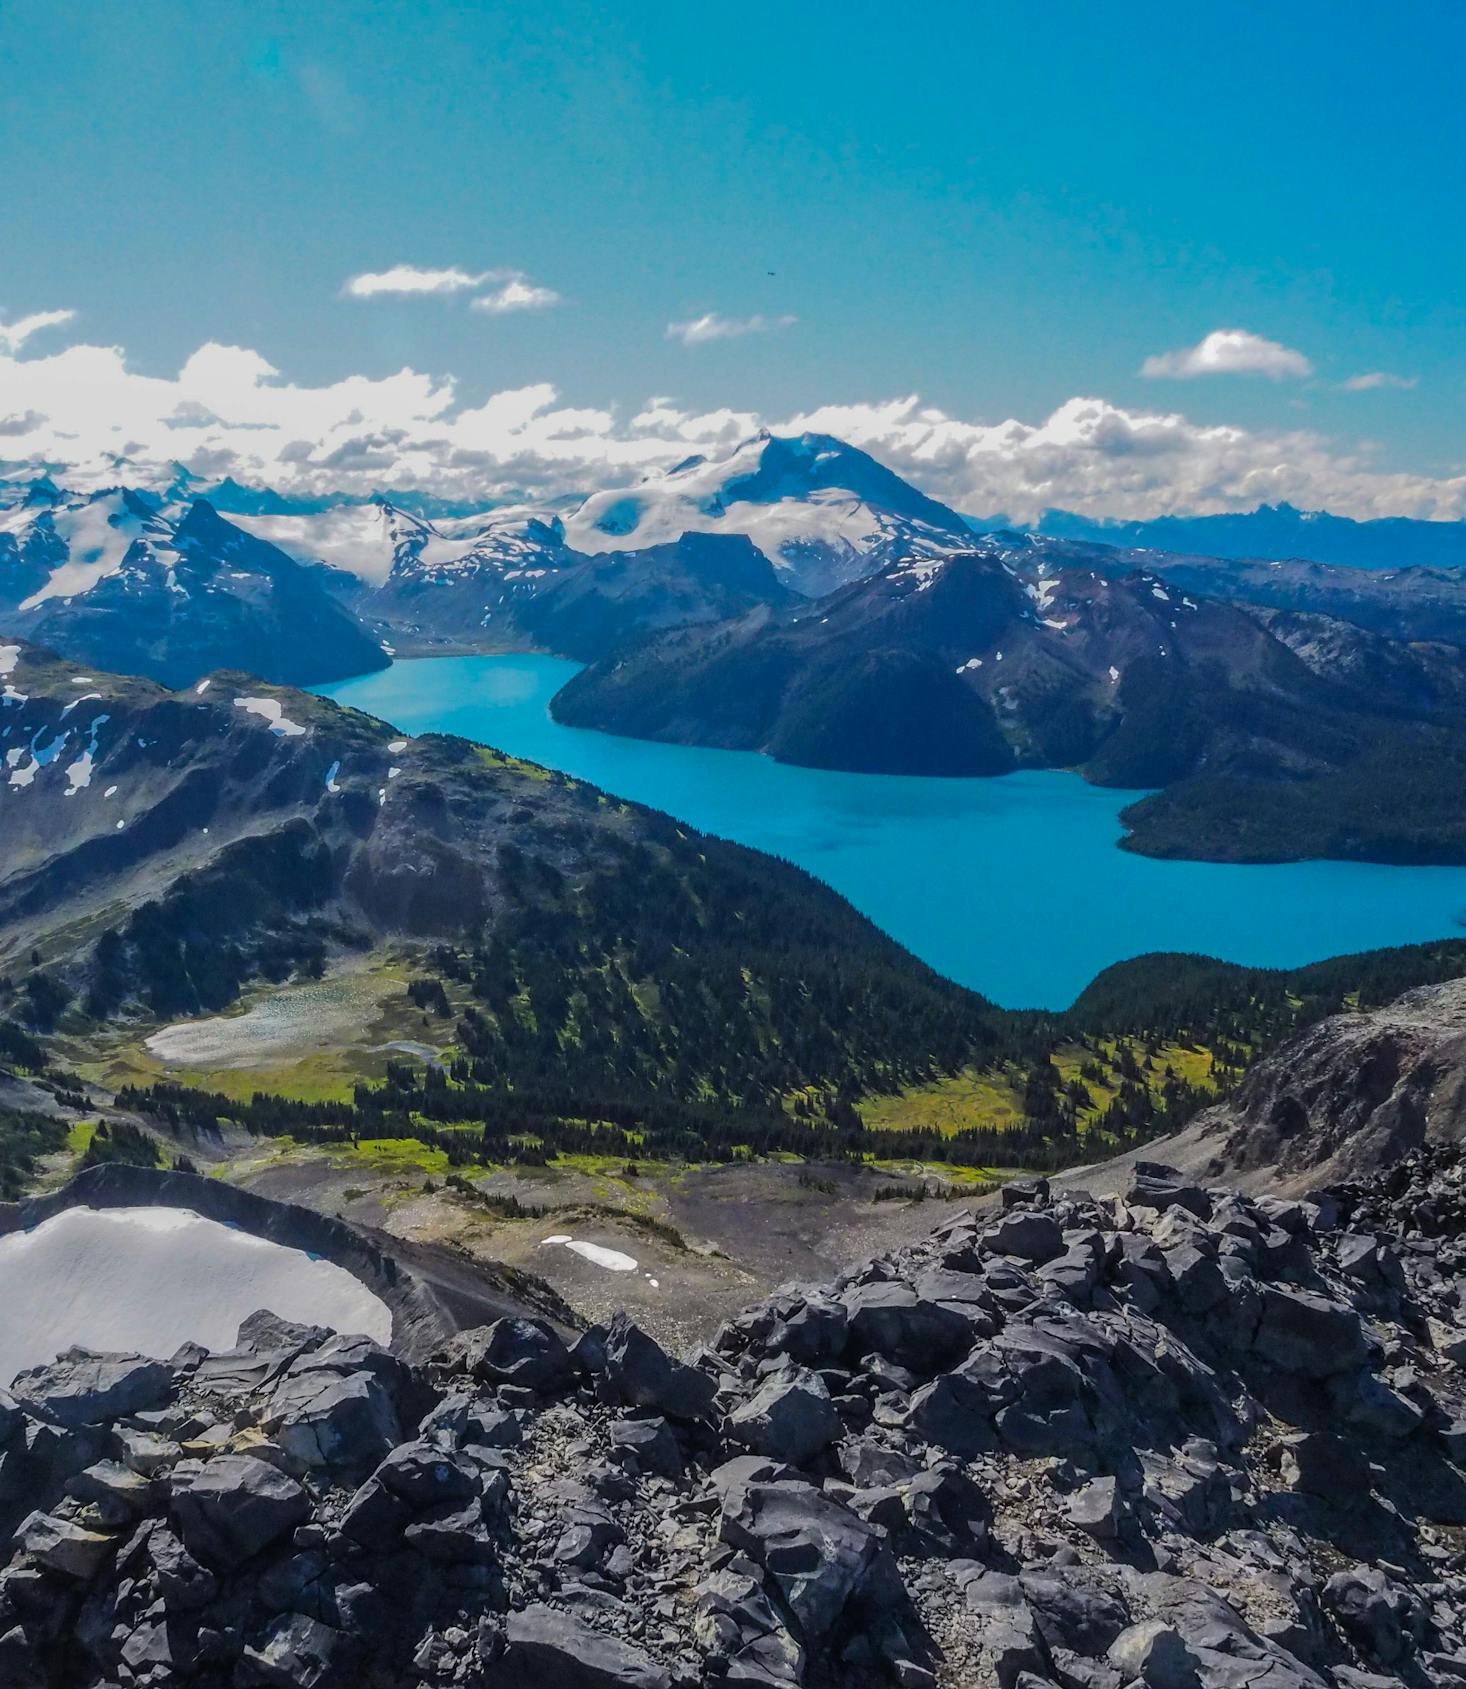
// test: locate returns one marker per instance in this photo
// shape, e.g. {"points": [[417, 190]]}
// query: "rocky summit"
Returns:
{"points": [[1179, 1437]]}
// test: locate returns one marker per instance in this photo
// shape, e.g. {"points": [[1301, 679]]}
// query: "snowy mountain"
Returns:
{"points": [[130, 583], [821, 511]]}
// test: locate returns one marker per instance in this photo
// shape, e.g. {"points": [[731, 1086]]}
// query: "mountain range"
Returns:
{"points": [[1276, 532], [175, 580], [798, 597], [1276, 734]]}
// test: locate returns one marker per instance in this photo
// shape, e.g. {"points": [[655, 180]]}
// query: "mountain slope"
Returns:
{"points": [[1406, 604], [525, 590], [117, 581], [970, 665], [163, 849]]}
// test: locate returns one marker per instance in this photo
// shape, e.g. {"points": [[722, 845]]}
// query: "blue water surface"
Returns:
{"points": [[1013, 886]]}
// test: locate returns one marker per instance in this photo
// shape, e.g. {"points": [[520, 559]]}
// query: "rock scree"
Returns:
{"points": [[1178, 1438]]}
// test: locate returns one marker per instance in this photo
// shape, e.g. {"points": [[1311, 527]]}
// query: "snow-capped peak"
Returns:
{"points": [[821, 511]]}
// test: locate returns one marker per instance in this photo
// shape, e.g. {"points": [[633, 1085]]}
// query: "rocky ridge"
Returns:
{"points": [[1177, 1437], [1353, 1093]]}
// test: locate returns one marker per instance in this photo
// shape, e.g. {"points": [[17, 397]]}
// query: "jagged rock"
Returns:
{"points": [[461, 1420], [183, 1583], [1304, 1332], [1371, 1407], [818, 1553], [145, 1452], [160, 1650], [1155, 1654], [64, 1547], [296, 1652], [891, 1320], [789, 1418], [1097, 1509], [547, 1649], [812, 1332], [737, 1622], [85, 1388], [20, 1665], [117, 1490], [1385, 1621], [1074, 1610], [422, 1475], [1029, 1235], [649, 1445], [234, 1506], [1009, 1642], [524, 1352], [1158, 1186], [323, 1419], [374, 1517], [1131, 1457], [1018, 1192], [640, 1373], [1324, 1466], [954, 1413], [870, 1465], [455, 1536]]}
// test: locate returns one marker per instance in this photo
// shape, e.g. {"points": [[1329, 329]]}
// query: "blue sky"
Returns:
{"points": [[995, 206]]}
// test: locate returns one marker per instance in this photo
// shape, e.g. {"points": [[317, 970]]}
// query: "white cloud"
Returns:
{"points": [[518, 293], [228, 411], [1229, 351], [14, 335], [410, 279], [1374, 378], [1095, 457], [697, 331]]}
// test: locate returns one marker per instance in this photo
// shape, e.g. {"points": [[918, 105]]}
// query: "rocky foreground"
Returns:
{"points": [[1184, 1438]]}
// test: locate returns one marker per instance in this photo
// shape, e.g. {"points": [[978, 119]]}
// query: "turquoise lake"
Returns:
{"points": [[1013, 886]]}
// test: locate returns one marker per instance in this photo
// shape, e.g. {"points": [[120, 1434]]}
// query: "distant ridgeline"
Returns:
{"points": [[796, 597]]}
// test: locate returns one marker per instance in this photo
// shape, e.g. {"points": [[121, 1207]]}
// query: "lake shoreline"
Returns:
{"points": [[1016, 886]]}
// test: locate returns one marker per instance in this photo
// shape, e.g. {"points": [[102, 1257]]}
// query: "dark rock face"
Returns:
{"points": [[81, 1388], [1037, 1451], [188, 598], [233, 1506], [1352, 1094]]}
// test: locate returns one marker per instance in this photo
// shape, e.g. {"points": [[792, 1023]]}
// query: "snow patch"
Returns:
{"points": [[271, 711], [597, 1254], [151, 1279]]}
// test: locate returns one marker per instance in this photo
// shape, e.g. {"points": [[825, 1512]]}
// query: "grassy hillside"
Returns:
{"points": [[1149, 1043]]}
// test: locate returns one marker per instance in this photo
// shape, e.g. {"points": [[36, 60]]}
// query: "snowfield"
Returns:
{"points": [[149, 1279]]}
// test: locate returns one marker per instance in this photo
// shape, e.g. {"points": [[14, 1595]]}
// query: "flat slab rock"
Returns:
{"points": [[548, 1649]]}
